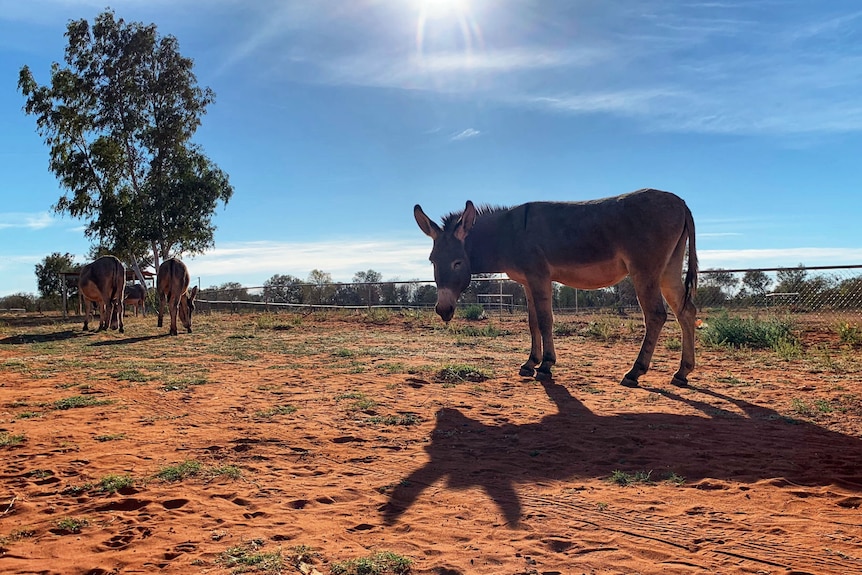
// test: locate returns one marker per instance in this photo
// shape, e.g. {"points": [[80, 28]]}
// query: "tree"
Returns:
{"points": [[369, 294], [725, 281], [19, 300], [49, 282], [756, 282], [231, 291], [118, 119], [283, 289], [425, 294], [791, 280], [320, 289]]}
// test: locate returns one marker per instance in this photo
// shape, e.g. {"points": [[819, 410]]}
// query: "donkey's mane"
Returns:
{"points": [[450, 219]]}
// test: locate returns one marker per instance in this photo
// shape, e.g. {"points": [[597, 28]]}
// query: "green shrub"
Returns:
{"points": [[850, 333], [380, 563], [456, 373], [179, 471], [748, 332], [113, 483], [473, 312]]}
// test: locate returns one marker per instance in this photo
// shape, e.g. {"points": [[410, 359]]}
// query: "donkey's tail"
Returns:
{"points": [[118, 284], [691, 274]]}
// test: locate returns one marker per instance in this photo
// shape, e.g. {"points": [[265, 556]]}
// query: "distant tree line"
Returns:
{"points": [[717, 288]]}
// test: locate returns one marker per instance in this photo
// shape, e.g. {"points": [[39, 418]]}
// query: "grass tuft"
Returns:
{"points": [[113, 483], [77, 401], [381, 563], [459, 372], [180, 471], [625, 479], [729, 331], [11, 440], [249, 557]]}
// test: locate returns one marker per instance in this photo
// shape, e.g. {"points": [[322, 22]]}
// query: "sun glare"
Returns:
{"points": [[442, 8], [445, 13]]}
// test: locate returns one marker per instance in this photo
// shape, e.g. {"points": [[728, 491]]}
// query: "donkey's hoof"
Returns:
{"points": [[526, 371], [544, 376], [679, 381], [629, 382]]}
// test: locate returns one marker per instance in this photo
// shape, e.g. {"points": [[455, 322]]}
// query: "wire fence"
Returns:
{"points": [[822, 291]]}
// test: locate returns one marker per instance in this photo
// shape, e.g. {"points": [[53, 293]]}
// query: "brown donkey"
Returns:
{"points": [[103, 282], [136, 296], [172, 284], [586, 245]]}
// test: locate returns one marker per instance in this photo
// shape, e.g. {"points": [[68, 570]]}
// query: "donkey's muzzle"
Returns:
{"points": [[446, 301], [445, 312]]}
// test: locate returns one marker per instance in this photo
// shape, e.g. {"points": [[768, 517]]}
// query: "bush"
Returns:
{"points": [[747, 332], [473, 312]]}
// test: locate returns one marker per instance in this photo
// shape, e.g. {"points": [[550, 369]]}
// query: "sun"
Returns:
{"points": [[432, 9], [443, 14]]}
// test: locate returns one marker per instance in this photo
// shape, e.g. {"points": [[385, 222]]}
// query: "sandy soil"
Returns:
{"points": [[323, 438]]}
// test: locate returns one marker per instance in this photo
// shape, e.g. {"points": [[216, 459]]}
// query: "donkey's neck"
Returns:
{"points": [[485, 245]]}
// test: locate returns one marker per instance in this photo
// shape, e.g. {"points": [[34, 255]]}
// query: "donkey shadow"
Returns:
{"points": [[721, 444]]}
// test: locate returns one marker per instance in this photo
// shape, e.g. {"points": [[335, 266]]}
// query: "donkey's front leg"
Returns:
{"points": [[529, 367], [541, 303]]}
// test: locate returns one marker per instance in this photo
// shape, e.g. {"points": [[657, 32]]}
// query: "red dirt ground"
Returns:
{"points": [[756, 468]]}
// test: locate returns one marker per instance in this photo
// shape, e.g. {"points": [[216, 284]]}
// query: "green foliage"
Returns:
{"points": [[278, 322], [79, 401], [603, 329], [229, 471], [71, 525], [10, 440], [405, 419], [562, 328], [730, 331], [361, 402], [180, 471], [850, 333], [133, 375], [381, 563], [283, 289], [113, 483], [118, 119], [271, 412], [473, 312], [249, 557], [302, 554], [190, 468], [459, 372], [624, 479], [673, 344], [48, 279], [378, 316], [110, 437]]}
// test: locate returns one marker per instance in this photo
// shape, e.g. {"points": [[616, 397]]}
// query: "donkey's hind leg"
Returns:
{"points": [[684, 309], [655, 315]]}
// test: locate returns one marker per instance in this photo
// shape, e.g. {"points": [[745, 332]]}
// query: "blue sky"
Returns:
{"points": [[333, 118]]}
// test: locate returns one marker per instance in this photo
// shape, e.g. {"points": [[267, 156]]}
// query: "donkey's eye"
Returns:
{"points": [[456, 265]]}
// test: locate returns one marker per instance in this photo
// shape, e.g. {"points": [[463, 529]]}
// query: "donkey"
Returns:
{"points": [[103, 282], [136, 296], [586, 245], [172, 284]]}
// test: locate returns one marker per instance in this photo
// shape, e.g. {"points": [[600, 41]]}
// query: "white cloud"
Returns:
{"points": [[258, 261], [31, 221], [251, 263], [465, 134], [778, 257]]}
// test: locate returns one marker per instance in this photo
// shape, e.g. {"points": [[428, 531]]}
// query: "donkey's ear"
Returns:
{"points": [[465, 223], [431, 229]]}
